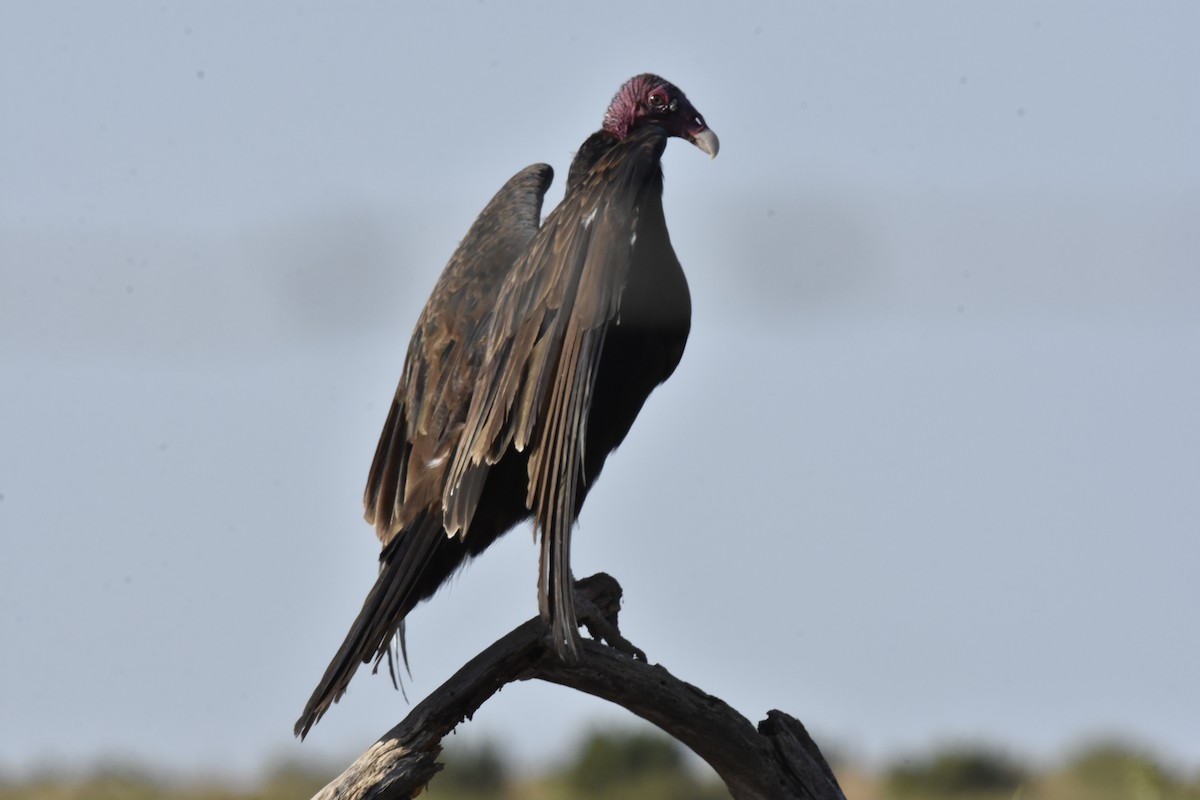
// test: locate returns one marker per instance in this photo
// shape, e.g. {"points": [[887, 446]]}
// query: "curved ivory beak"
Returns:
{"points": [[707, 141]]}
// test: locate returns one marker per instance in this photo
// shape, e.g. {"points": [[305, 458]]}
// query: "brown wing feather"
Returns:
{"points": [[422, 428]]}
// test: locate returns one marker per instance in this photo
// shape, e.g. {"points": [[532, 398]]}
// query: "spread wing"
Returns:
{"points": [[543, 348], [423, 427]]}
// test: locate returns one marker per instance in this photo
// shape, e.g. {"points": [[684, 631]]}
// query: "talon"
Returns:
{"points": [[603, 628]]}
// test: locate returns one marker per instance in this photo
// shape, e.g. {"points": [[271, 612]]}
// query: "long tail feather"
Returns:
{"points": [[412, 568]]}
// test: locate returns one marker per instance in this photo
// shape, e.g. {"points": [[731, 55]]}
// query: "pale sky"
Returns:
{"points": [[929, 470]]}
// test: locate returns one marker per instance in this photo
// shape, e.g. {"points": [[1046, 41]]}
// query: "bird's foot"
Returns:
{"points": [[597, 611], [605, 630]]}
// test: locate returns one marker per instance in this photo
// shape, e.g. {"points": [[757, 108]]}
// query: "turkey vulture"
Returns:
{"points": [[527, 367]]}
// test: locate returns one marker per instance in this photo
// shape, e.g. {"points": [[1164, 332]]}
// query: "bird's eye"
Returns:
{"points": [[658, 101]]}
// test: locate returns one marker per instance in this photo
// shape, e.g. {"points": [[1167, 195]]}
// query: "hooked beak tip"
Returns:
{"points": [[707, 141]]}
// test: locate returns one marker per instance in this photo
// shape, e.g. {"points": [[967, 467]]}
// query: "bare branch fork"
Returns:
{"points": [[778, 759]]}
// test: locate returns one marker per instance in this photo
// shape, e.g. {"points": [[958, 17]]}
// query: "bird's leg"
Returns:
{"points": [[598, 611]]}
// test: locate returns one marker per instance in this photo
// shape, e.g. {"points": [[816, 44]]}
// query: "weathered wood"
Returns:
{"points": [[777, 760]]}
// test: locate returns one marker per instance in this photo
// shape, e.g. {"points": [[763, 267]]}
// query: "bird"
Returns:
{"points": [[528, 364]]}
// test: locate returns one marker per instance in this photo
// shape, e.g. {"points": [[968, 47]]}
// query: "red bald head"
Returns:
{"points": [[650, 100]]}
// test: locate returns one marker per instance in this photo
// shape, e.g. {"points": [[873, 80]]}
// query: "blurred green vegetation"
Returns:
{"points": [[1102, 771], [630, 764], [957, 772], [644, 765]]}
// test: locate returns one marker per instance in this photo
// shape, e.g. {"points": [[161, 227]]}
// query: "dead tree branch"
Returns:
{"points": [[778, 759]]}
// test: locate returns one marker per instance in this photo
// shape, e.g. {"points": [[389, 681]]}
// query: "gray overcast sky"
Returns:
{"points": [[930, 468]]}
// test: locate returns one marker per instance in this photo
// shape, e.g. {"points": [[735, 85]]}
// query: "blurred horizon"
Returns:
{"points": [[634, 761]]}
